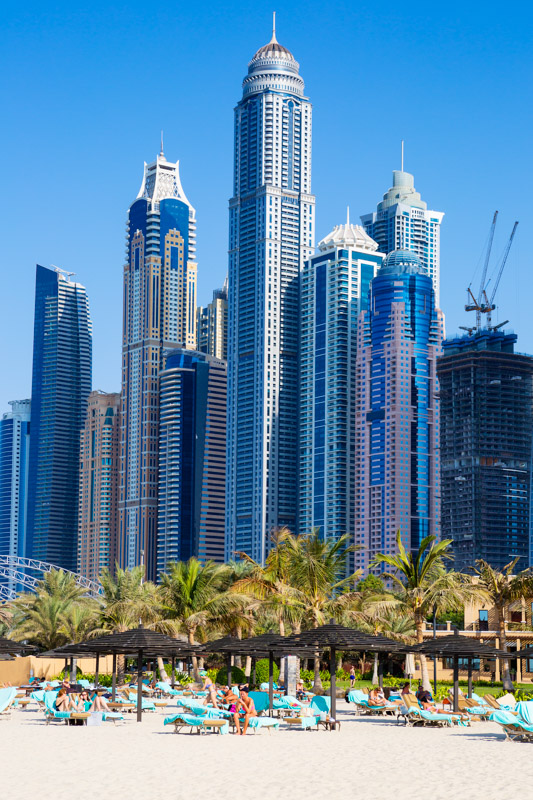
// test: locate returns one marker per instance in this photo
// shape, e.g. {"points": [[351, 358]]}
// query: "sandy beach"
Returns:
{"points": [[368, 757]]}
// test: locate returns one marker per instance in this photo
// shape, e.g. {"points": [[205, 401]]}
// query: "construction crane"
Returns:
{"points": [[482, 305]]}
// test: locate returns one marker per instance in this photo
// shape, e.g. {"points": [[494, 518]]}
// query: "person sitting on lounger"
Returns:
{"points": [[99, 703], [300, 691], [82, 699], [63, 702], [211, 690], [234, 705], [376, 697], [247, 705], [406, 688]]}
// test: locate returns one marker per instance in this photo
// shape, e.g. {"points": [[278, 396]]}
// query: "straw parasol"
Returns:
{"points": [[10, 647]]}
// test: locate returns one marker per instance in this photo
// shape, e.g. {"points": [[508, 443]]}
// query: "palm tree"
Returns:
{"points": [[422, 583], [193, 594], [501, 588], [41, 617], [281, 602], [317, 569]]}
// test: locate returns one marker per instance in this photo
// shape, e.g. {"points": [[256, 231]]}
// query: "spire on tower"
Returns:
{"points": [[402, 155], [347, 215], [161, 153], [273, 27]]}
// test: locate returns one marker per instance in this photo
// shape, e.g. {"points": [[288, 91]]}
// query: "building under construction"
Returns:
{"points": [[485, 440]]}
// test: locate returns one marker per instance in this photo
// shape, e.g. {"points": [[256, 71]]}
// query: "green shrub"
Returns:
{"points": [[261, 671], [237, 676]]}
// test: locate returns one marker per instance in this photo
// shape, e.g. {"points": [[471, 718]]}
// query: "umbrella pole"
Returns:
{"points": [[96, 669], [114, 678], [333, 685], [228, 668], [140, 686], [456, 683], [469, 678], [271, 682], [173, 679], [253, 671]]}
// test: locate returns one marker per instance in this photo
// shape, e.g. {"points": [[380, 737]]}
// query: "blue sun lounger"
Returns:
{"points": [[7, 698], [201, 722]]}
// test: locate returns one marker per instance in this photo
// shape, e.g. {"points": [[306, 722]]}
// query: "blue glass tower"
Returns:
{"points": [[14, 453], [61, 382], [159, 312], [192, 451], [271, 236], [334, 290], [397, 419]]}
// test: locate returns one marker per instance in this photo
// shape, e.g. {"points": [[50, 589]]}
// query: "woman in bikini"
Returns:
{"points": [[211, 690]]}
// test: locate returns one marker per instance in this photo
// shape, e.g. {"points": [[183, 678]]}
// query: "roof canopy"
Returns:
{"points": [[461, 646], [10, 647]]}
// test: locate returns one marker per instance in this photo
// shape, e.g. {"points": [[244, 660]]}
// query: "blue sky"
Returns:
{"points": [[86, 88]]}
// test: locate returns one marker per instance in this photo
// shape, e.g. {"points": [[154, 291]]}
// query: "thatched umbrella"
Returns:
{"points": [[456, 647], [12, 648]]}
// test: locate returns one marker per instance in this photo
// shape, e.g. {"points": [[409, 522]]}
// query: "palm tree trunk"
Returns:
{"points": [[419, 626], [238, 632], [317, 681], [248, 669], [375, 676], [504, 662], [121, 664], [161, 669]]}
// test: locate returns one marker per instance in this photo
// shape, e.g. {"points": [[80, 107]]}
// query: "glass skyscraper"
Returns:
{"points": [[402, 220], [192, 458], [212, 325], [486, 401], [159, 312], [271, 236], [397, 420], [62, 368], [14, 461], [334, 290]]}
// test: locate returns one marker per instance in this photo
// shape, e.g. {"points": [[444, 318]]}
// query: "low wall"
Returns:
{"points": [[20, 670]]}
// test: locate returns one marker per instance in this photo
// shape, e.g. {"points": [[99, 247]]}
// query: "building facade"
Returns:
{"points": [[397, 419], [14, 463], [402, 220], [192, 458], [159, 312], [98, 498], [212, 325], [61, 382], [486, 396], [334, 290], [271, 236]]}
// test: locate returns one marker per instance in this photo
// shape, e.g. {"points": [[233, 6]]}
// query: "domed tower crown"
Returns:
{"points": [[402, 262], [273, 67]]}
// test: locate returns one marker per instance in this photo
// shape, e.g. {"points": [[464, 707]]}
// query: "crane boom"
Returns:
{"points": [[502, 265], [487, 259]]}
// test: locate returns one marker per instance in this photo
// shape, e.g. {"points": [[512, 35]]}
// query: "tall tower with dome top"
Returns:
{"points": [[271, 235]]}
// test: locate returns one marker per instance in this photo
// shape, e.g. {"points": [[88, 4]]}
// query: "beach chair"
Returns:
{"points": [[146, 705], [305, 722], [53, 715], [261, 701], [7, 698], [202, 723], [514, 727], [263, 722]]}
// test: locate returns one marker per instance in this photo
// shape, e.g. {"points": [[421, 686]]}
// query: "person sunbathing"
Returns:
{"points": [[234, 705], [376, 697], [211, 690], [82, 699], [99, 703], [247, 705], [63, 701]]}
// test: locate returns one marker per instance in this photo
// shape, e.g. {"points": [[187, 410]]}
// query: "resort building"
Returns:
{"points": [[334, 290], [159, 312], [192, 458], [212, 325], [61, 382], [397, 467], [271, 236], [486, 401], [98, 500], [402, 220], [14, 462]]}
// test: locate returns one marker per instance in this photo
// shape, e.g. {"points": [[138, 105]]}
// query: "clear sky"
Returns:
{"points": [[86, 88]]}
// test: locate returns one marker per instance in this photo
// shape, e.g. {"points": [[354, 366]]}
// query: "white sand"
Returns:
{"points": [[369, 758]]}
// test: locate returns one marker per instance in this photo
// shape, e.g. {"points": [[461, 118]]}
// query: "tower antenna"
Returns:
{"points": [[161, 153], [402, 155], [274, 26], [347, 215]]}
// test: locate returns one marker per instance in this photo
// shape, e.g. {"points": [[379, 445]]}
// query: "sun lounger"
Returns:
{"points": [[201, 723], [7, 698], [146, 705], [304, 722], [263, 722], [261, 701], [514, 727]]}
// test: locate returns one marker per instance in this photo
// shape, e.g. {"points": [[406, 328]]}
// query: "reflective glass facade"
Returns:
{"points": [[192, 458], [61, 382], [397, 417]]}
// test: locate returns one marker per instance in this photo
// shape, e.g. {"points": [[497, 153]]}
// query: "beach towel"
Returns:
{"points": [[7, 696]]}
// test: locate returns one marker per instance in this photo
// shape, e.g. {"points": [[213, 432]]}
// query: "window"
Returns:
{"points": [[483, 620]]}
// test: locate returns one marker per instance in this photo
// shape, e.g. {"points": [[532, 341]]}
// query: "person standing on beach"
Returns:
{"points": [[352, 676]]}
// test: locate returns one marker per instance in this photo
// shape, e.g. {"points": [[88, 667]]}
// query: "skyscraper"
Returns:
{"points": [[98, 500], [402, 220], [192, 458], [334, 290], [62, 366], [14, 453], [486, 397], [212, 325], [271, 236], [159, 312], [397, 422]]}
